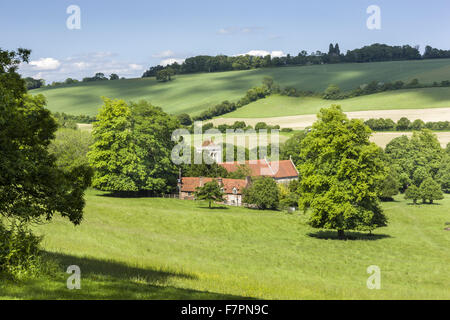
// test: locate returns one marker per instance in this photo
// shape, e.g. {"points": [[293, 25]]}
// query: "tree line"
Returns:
{"points": [[404, 124], [373, 53]]}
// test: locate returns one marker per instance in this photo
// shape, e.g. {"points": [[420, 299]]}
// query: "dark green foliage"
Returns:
{"points": [[184, 119], [165, 74], [32, 187], [430, 190], [341, 174], [19, 251], [263, 193], [210, 192]]}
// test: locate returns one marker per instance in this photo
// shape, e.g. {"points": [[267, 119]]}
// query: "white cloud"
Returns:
{"points": [[165, 62], [262, 53], [164, 54], [80, 66], [45, 64], [134, 66]]}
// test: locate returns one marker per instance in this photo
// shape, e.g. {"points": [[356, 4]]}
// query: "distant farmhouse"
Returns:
{"points": [[282, 171]]}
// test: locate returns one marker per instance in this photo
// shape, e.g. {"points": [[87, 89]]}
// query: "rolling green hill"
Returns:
{"points": [[196, 92], [277, 106], [152, 248]]}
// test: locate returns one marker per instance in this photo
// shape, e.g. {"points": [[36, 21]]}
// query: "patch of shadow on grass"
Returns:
{"points": [[106, 280], [333, 235], [214, 207]]}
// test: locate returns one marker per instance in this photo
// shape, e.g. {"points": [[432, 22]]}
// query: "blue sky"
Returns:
{"points": [[126, 37]]}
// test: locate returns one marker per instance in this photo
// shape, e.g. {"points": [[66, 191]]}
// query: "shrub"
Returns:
{"points": [[332, 92], [430, 190], [412, 193], [19, 251], [262, 193], [403, 124]]}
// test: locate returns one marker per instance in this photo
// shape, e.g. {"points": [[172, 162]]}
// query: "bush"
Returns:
{"points": [[430, 190], [262, 193], [19, 251], [332, 92], [412, 193]]}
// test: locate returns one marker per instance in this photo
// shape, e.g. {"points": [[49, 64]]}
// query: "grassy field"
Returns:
{"points": [[195, 93], [277, 106], [146, 248]]}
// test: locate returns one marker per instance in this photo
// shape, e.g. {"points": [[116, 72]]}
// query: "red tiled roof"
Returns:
{"points": [[189, 184], [277, 169]]}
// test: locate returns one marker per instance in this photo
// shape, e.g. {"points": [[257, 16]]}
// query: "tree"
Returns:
{"points": [[403, 124], [70, 147], [390, 185], [291, 148], [332, 92], [430, 190], [263, 193], [185, 119], [412, 193], [341, 174], [443, 175], [113, 77], [32, 187], [211, 191], [132, 148], [165, 74]]}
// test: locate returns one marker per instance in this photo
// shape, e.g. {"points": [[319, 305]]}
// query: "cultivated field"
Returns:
{"points": [[196, 92], [303, 121], [145, 248], [276, 106]]}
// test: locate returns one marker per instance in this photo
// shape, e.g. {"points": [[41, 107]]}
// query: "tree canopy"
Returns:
{"points": [[132, 148], [341, 174], [32, 187]]}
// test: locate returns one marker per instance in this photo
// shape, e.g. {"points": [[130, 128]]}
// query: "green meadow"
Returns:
{"points": [[194, 93], [277, 106], [153, 248]]}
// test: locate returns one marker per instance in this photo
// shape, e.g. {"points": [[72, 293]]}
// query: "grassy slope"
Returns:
{"points": [[197, 92], [166, 248], [277, 106]]}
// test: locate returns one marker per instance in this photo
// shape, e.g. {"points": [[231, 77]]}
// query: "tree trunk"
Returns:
{"points": [[210, 204], [341, 234]]}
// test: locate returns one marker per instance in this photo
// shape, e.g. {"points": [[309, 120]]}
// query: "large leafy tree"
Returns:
{"points": [[210, 192], [32, 187], [341, 174], [417, 158], [132, 148]]}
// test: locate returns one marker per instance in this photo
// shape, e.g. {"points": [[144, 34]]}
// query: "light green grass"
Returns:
{"points": [[277, 106], [196, 92], [168, 248]]}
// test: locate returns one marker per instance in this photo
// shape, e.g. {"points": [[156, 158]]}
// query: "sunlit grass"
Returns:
{"points": [[172, 249]]}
